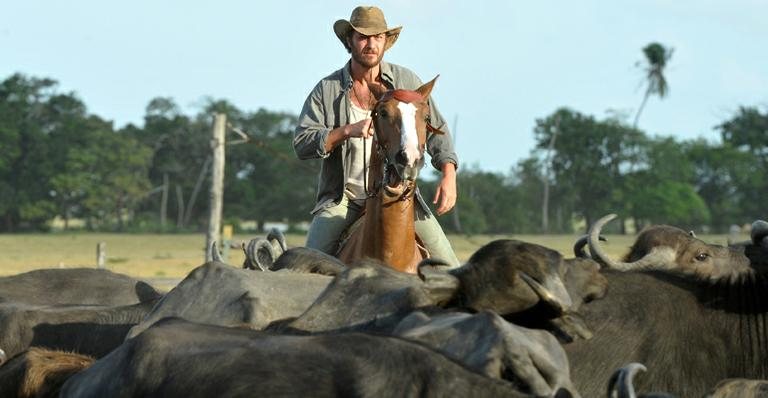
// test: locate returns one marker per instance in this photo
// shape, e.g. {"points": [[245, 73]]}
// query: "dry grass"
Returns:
{"points": [[173, 256]]}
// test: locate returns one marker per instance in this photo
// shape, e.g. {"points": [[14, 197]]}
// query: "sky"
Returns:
{"points": [[502, 64]]}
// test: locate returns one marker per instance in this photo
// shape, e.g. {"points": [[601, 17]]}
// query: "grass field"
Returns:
{"points": [[173, 256]]}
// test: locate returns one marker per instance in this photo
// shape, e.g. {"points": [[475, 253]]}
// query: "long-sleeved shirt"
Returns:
{"points": [[327, 107]]}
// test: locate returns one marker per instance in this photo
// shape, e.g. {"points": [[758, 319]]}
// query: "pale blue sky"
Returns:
{"points": [[503, 64]]}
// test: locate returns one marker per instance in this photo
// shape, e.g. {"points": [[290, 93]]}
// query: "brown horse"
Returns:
{"points": [[386, 229]]}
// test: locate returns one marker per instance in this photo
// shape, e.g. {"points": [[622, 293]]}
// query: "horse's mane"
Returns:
{"points": [[407, 96]]}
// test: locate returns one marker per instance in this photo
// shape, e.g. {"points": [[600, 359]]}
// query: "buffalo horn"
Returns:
{"points": [[276, 237], [657, 258], [553, 293], [620, 384], [578, 247], [259, 255], [2, 356], [215, 254]]}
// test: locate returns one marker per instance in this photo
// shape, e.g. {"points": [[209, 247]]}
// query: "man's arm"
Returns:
{"points": [[340, 134], [446, 192], [313, 139]]}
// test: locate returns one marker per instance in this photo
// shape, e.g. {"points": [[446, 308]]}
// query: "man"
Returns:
{"points": [[335, 125]]}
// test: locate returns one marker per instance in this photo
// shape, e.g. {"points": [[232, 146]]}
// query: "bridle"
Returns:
{"points": [[407, 96]]}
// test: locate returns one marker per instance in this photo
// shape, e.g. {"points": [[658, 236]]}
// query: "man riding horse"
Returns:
{"points": [[335, 125]]}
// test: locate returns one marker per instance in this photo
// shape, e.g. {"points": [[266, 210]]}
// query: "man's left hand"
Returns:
{"points": [[446, 191]]}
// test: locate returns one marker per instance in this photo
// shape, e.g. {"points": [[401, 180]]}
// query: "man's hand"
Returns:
{"points": [[360, 129], [339, 134], [446, 191]]}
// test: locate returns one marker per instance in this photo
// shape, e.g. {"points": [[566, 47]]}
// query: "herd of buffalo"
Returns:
{"points": [[675, 317]]}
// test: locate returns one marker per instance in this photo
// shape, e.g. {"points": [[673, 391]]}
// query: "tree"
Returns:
{"points": [[747, 133], [590, 161], [656, 58]]}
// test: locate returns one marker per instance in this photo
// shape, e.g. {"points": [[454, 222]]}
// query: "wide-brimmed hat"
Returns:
{"points": [[369, 21]]}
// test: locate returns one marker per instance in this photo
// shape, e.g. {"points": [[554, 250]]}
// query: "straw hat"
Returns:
{"points": [[369, 21]]}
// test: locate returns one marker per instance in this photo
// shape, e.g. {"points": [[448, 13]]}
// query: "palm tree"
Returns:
{"points": [[656, 56]]}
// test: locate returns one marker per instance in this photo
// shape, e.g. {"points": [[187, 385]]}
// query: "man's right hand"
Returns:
{"points": [[338, 135], [360, 129]]}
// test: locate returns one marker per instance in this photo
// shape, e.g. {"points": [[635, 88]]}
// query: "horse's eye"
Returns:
{"points": [[383, 113], [701, 256]]}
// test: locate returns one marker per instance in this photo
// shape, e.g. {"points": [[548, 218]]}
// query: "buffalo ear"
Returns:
{"points": [[441, 285], [426, 88]]}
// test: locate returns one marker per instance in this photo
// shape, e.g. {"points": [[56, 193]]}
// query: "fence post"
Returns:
{"points": [[101, 254], [217, 184]]}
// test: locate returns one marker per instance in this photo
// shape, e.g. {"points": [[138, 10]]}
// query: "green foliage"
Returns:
{"points": [[57, 160]]}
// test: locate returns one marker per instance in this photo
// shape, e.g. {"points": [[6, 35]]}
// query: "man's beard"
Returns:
{"points": [[360, 59]]}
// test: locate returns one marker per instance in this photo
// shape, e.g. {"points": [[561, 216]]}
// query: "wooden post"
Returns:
{"points": [[217, 184], [101, 254]]}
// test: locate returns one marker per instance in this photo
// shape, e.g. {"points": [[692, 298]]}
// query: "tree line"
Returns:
{"points": [[60, 161]]}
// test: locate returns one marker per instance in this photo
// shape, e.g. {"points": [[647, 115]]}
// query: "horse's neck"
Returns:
{"points": [[390, 231]]}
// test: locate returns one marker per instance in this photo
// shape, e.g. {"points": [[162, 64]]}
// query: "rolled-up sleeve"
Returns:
{"points": [[440, 146], [311, 132]]}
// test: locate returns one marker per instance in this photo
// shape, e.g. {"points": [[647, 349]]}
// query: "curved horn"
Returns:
{"points": [[215, 254], [578, 247], [275, 236], [3, 357], [759, 233], [259, 255], [560, 302], [620, 384], [658, 257]]}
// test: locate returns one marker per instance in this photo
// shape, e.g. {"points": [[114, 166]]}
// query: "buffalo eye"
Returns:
{"points": [[701, 256]]}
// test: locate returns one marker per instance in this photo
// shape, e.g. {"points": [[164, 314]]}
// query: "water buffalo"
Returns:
{"points": [[692, 328], [663, 247], [84, 286], [86, 329], [489, 345], [221, 294], [271, 254], [175, 358], [621, 385]]}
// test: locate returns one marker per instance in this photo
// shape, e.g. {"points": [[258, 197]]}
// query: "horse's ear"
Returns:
{"points": [[426, 88], [377, 90]]}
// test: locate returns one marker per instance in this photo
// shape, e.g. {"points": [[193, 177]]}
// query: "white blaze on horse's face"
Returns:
{"points": [[409, 136]]}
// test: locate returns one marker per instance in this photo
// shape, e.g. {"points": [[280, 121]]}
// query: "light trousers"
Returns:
{"points": [[328, 224]]}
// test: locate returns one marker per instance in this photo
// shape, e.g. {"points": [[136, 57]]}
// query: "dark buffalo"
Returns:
{"points": [[175, 358], [39, 372], [691, 329], [489, 345], [90, 330], [83, 286], [305, 259], [621, 385], [373, 296], [663, 247], [370, 296], [220, 294]]}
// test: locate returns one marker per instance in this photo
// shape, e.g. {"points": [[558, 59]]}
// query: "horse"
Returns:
{"points": [[386, 231]]}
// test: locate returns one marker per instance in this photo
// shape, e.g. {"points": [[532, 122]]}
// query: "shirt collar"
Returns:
{"points": [[346, 75]]}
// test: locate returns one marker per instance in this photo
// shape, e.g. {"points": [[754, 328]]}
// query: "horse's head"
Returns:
{"points": [[401, 120]]}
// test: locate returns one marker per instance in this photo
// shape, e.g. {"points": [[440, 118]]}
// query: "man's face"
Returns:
{"points": [[367, 50]]}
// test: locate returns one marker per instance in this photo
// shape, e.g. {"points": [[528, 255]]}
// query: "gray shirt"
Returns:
{"points": [[327, 107]]}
